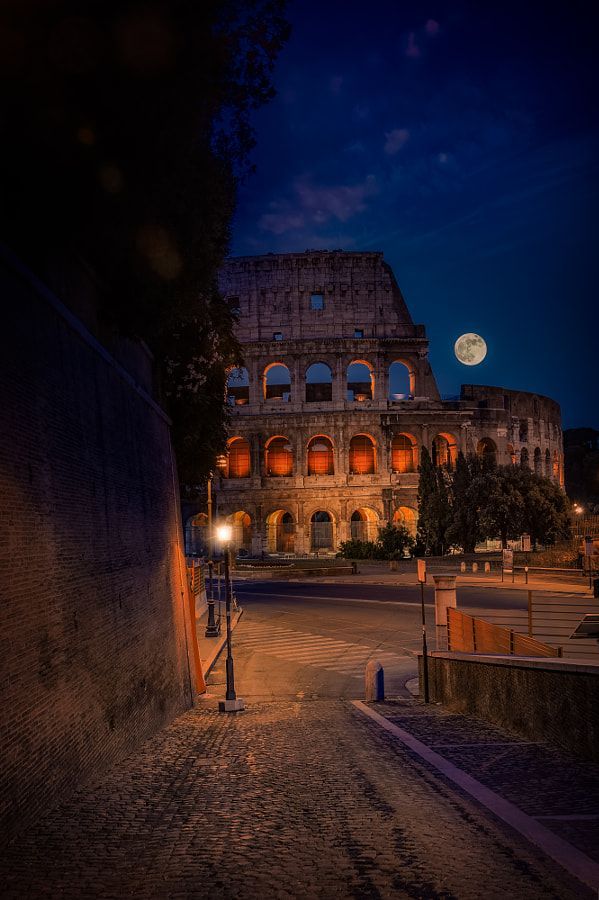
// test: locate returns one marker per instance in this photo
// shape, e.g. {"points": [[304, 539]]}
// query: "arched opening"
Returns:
{"points": [[547, 463], [196, 535], [402, 380], [319, 383], [320, 456], [238, 387], [241, 539], [238, 464], [556, 465], [362, 455], [364, 524], [280, 532], [511, 454], [524, 457], [277, 383], [406, 516], [445, 450], [360, 381], [404, 453], [487, 451], [321, 531], [537, 461], [279, 457]]}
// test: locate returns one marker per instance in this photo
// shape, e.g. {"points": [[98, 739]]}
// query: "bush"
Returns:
{"points": [[392, 543]]}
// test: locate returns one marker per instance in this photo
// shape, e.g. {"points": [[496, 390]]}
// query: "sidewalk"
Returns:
{"points": [[211, 647]]}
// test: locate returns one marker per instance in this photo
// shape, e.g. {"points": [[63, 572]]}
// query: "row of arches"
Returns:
{"points": [[363, 456], [281, 530], [320, 457], [318, 382]]}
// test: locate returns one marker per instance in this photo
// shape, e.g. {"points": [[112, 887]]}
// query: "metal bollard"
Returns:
{"points": [[374, 681]]}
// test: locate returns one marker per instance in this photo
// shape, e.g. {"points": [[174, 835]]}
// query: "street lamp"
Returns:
{"points": [[231, 703], [212, 626]]}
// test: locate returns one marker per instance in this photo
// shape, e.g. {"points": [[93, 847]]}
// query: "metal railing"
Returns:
{"points": [[469, 635]]}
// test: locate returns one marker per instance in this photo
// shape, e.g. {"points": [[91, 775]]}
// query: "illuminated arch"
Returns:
{"points": [[278, 457], [276, 382], [407, 517], [196, 535], [320, 455], [404, 453], [362, 455], [319, 383], [511, 454], [280, 532], [360, 380], [486, 450], [238, 386], [242, 530], [364, 524], [445, 450], [321, 530], [238, 461], [402, 380]]}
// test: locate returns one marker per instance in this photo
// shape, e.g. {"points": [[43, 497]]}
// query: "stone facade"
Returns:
{"points": [[336, 401]]}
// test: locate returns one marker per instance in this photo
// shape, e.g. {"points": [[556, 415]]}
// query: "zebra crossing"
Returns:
{"points": [[308, 649]]}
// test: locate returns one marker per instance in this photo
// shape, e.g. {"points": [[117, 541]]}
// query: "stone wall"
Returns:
{"points": [[93, 627], [543, 700]]}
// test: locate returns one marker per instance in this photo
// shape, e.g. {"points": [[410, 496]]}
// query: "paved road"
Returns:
{"points": [[469, 597]]}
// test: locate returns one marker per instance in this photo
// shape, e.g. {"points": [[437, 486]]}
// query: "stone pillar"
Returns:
{"points": [[255, 375], [445, 596], [339, 382]]}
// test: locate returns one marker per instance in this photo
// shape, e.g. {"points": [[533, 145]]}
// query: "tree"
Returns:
{"points": [[464, 529], [501, 503], [547, 513], [126, 130], [433, 506], [393, 541]]}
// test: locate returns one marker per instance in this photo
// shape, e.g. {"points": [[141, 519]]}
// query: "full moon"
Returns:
{"points": [[470, 349]]}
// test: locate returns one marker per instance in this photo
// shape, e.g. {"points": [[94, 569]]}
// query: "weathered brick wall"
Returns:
{"points": [[93, 629]]}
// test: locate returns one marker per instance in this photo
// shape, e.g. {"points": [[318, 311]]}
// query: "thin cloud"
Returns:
{"points": [[395, 140], [412, 50]]}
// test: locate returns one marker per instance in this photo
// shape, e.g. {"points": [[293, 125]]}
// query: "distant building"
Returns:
{"points": [[336, 401]]}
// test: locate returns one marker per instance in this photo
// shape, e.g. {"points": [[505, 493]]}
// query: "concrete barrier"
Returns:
{"points": [[553, 700]]}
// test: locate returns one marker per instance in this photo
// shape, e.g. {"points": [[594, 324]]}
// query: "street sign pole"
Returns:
{"points": [[422, 578]]}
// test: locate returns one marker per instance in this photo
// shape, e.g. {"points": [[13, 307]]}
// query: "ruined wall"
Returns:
{"points": [[92, 628]]}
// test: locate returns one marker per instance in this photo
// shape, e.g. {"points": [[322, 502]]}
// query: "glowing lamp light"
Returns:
{"points": [[224, 533], [578, 509]]}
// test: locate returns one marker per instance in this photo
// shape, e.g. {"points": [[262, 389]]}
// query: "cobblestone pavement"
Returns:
{"points": [[288, 799]]}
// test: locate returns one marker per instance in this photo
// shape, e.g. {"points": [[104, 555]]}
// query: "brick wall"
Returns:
{"points": [[93, 630]]}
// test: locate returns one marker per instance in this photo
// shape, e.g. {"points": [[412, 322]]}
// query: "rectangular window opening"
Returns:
{"points": [[277, 336], [359, 333], [317, 301]]}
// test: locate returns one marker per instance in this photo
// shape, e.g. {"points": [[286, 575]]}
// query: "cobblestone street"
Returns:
{"points": [[288, 799]]}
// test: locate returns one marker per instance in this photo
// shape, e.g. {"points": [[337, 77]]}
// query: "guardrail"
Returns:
{"points": [[467, 634]]}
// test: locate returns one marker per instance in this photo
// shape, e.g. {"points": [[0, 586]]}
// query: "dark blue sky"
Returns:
{"points": [[461, 140]]}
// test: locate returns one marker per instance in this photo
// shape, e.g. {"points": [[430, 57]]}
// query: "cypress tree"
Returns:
{"points": [[465, 530], [428, 490]]}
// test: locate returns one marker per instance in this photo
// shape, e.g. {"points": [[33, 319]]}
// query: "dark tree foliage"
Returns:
{"points": [[433, 507], [392, 543], [465, 530], [125, 132]]}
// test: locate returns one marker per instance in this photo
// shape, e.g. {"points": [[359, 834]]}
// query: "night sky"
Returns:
{"points": [[461, 140]]}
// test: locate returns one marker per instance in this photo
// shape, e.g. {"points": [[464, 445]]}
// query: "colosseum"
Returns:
{"points": [[336, 400]]}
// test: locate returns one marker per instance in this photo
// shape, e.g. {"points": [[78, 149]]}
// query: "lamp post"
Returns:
{"points": [[231, 703], [212, 626]]}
